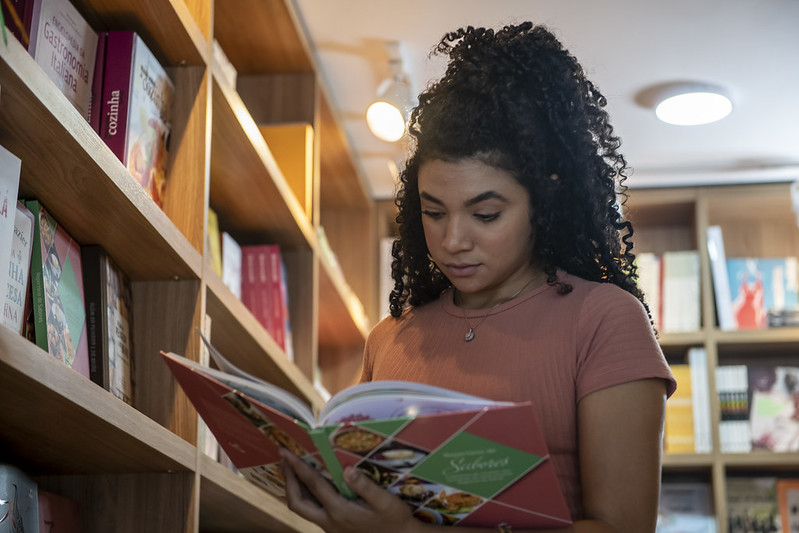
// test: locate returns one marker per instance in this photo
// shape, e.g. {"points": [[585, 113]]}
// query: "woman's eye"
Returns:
{"points": [[432, 214], [486, 217]]}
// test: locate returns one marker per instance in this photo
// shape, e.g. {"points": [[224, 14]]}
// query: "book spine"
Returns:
{"points": [[93, 283], [37, 278], [680, 295], [255, 285], [679, 426], [96, 104], [119, 60], [277, 305], [33, 27], [697, 361], [721, 283]]}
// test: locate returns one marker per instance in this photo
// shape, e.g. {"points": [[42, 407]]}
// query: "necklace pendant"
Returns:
{"points": [[469, 335]]}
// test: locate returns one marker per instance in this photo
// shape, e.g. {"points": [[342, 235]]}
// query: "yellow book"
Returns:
{"points": [[679, 427], [214, 244]]}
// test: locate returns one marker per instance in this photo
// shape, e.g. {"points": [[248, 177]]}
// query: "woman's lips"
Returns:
{"points": [[461, 271]]}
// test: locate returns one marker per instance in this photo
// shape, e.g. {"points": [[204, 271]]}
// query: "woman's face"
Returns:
{"points": [[476, 222]]}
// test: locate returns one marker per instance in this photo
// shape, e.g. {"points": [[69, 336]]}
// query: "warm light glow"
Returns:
{"points": [[385, 121], [694, 108]]}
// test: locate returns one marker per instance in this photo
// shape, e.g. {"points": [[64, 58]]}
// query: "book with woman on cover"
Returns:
{"points": [[455, 459]]}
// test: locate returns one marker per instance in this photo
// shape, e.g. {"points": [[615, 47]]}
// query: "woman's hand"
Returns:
{"points": [[313, 497]]}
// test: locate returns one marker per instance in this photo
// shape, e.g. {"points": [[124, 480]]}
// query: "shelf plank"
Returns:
{"points": [[56, 421], [230, 503], [79, 180], [238, 335], [167, 27], [242, 167]]}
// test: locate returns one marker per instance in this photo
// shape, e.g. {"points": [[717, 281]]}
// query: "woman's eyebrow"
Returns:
{"points": [[488, 195]]}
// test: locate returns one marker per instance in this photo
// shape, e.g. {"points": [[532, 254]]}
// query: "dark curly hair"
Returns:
{"points": [[517, 100]]}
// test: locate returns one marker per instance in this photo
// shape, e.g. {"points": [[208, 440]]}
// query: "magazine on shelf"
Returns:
{"points": [[455, 459]]}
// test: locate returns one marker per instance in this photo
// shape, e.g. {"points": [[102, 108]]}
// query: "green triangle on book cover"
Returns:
{"points": [[384, 427], [476, 465]]}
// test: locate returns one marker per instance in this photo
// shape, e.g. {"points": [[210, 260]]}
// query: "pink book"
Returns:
{"points": [[255, 285], [136, 107]]}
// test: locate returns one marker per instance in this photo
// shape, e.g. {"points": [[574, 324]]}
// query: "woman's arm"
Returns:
{"points": [[620, 434]]}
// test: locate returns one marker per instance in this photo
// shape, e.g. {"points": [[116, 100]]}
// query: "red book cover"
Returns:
{"points": [[58, 514], [96, 101], [17, 15], [455, 459], [136, 110], [59, 313], [261, 287]]}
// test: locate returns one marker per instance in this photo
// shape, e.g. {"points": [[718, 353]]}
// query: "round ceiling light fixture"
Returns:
{"points": [[692, 104]]}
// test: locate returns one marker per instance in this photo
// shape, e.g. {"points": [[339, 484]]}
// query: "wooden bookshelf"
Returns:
{"points": [[756, 220], [72, 436]]}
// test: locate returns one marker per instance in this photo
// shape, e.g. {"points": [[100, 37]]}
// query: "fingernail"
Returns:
{"points": [[350, 474]]}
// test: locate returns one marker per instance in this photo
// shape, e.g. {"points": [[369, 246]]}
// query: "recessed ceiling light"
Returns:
{"points": [[692, 104]]}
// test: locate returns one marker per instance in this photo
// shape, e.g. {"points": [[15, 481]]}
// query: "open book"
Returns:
{"points": [[455, 459]]}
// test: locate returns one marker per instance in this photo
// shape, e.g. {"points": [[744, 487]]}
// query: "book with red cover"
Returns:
{"points": [[57, 292], [262, 290], [135, 120], [454, 459], [17, 16]]}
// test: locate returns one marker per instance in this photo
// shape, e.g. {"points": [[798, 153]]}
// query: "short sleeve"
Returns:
{"points": [[616, 343]]}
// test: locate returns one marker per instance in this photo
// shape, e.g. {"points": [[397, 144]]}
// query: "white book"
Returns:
{"points": [[10, 166], [649, 281], [721, 282], [65, 46], [680, 296], [697, 360], [19, 265], [231, 264]]}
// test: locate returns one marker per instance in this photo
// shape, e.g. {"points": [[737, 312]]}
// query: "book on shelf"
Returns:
{"points": [[109, 314], [59, 311], [680, 309], [214, 242], [10, 167], [455, 458], [263, 289], [700, 399], [64, 44], [19, 268], [752, 505], [760, 285], [17, 17], [719, 275], [732, 385], [685, 507], [649, 281], [678, 433], [774, 413], [58, 514], [135, 115], [231, 264], [19, 501], [788, 504]]}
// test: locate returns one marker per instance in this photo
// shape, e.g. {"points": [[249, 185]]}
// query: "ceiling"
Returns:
{"points": [[751, 47]]}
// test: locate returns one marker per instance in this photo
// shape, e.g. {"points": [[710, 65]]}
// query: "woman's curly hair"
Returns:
{"points": [[517, 100]]}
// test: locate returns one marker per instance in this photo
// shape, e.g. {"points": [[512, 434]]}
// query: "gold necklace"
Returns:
{"points": [[469, 336]]}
